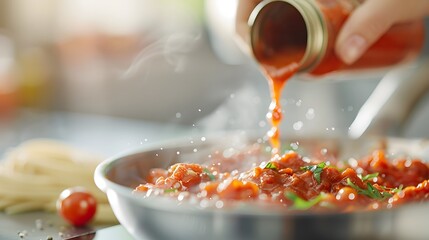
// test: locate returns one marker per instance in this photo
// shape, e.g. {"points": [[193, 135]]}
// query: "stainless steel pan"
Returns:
{"points": [[164, 218]]}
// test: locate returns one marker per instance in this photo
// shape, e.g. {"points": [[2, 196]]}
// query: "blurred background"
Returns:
{"points": [[163, 61]]}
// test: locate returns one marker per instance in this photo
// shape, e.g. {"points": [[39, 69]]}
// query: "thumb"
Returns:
{"points": [[370, 21]]}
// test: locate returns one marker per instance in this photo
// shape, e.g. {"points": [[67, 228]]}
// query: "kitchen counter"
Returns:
{"points": [[42, 226], [93, 133]]}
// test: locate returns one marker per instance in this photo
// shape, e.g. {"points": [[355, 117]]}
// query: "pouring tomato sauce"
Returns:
{"points": [[293, 181], [288, 179]]}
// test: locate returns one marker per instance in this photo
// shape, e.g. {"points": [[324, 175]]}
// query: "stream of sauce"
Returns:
{"points": [[277, 77], [278, 71]]}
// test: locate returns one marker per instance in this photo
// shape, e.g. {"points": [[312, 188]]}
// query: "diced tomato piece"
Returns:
{"points": [[236, 189]]}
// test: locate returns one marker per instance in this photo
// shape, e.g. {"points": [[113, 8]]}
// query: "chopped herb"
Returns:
{"points": [[301, 204], [170, 190], [398, 189], [370, 192], [270, 165], [393, 190], [369, 176], [316, 169], [209, 174]]}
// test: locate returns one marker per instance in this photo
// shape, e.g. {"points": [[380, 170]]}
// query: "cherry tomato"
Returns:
{"points": [[77, 206]]}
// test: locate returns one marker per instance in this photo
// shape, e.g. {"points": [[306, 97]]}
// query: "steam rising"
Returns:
{"points": [[172, 48], [242, 111]]}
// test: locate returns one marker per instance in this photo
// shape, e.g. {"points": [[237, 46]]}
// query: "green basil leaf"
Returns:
{"points": [[397, 189], [370, 191], [316, 169], [209, 174], [170, 190], [301, 204], [270, 165], [370, 176]]}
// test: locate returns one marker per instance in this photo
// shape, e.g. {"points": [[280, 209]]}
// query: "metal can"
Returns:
{"points": [[304, 31]]}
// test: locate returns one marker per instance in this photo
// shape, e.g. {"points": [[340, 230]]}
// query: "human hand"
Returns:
{"points": [[244, 9], [371, 20]]}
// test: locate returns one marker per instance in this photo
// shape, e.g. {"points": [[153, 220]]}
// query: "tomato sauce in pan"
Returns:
{"points": [[294, 182]]}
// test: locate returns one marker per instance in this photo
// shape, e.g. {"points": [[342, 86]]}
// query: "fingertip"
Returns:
{"points": [[364, 26], [352, 48]]}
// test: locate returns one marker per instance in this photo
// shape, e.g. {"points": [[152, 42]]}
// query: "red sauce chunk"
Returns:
{"points": [[296, 183]]}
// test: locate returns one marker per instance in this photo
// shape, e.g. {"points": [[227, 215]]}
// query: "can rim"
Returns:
{"points": [[317, 34]]}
